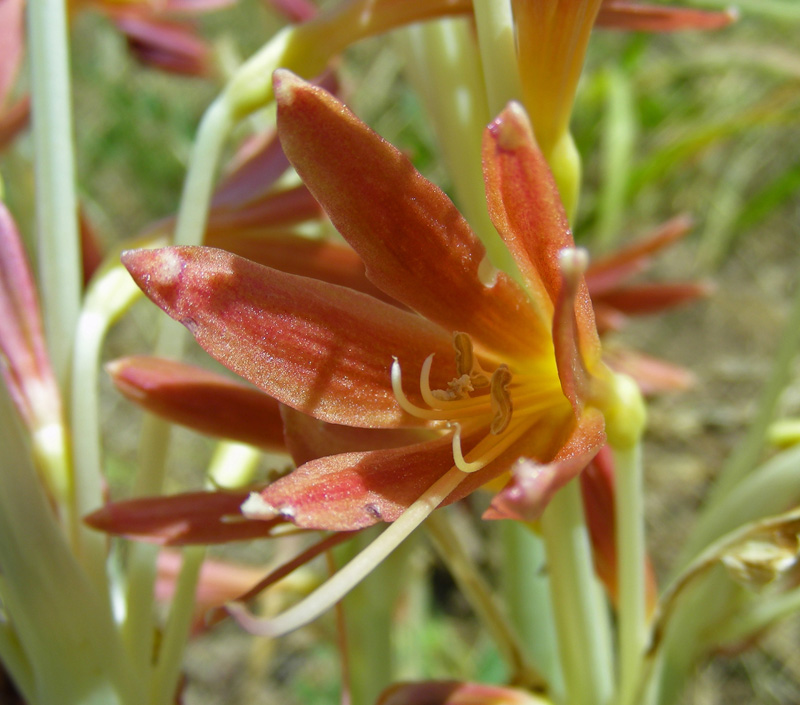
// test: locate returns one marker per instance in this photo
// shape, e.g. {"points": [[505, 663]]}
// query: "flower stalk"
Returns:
{"points": [[56, 201]]}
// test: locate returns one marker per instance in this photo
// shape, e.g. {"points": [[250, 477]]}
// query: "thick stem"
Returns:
{"points": [[176, 633], [526, 596], [445, 69], [495, 26], [56, 203], [586, 656], [630, 540]]}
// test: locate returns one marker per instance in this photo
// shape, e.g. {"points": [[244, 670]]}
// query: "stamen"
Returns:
{"points": [[501, 399], [466, 364], [327, 595], [464, 356], [488, 449], [402, 399]]}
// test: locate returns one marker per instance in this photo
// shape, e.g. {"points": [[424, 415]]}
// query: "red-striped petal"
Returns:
{"points": [[322, 349], [193, 518], [415, 244], [201, 400]]}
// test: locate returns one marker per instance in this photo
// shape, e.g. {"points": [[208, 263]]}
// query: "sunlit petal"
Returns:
{"points": [[322, 349], [415, 244]]}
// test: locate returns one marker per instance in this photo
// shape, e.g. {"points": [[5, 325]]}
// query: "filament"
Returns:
{"points": [[328, 594]]}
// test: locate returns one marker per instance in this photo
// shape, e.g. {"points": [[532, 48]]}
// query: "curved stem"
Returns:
{"points": [[630, 539], [580, 615]]}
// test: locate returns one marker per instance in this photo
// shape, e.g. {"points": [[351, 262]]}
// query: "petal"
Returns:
{"points": [[24, 362], [597, 490], [552, 37], [219, 582], [622, 14], [533, 484], [642, 299], [325, 260], [355, 490], [202, 400], [193, 518], [322, 349], [287, 207], [256, 167], [605, 273], [415, 244], [651, 374], [524, 204], [170, 46], [295, 10], [577, 344], [12, 42], [308, 438]]}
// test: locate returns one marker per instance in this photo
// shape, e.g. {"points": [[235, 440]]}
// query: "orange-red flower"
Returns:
{"points": [[493, 370]]}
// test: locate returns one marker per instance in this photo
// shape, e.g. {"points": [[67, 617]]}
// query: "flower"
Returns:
{"points": [[525, 379]]}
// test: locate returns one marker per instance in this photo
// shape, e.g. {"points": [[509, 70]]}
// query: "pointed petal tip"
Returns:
{"points": [[156, 271], [285, 86], [512, 128]]}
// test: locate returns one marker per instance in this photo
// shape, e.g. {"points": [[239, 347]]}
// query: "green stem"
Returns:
{"points": [[479, 595], [526, 596], [176, 632], [495, 26], [368, 613], [444, 67], [580, 616], [619, 138], [56, 203], [154, 444], [109, 296], [630, 540]]}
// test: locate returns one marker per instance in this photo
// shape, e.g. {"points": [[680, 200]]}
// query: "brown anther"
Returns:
{"points": [[501, 399], [466, 364]]}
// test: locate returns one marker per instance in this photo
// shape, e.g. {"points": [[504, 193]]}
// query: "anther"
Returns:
{"points": [[501, 399], [466, 364]]}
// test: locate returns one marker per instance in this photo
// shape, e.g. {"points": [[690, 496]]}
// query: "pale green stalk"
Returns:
{"points": [[369, 611], [630, 541], [526, 597], [190, 228], [744, 458], [445, 70], [58, 237], [580, 614], [495, 26], [176, 632], [233, 465], [110, 295], [480, 597]]}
